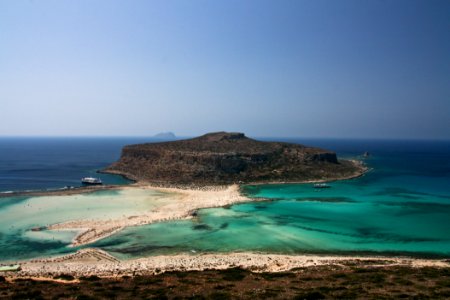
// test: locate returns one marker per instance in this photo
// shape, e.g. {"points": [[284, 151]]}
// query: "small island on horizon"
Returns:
{"points": [[166, 135]]}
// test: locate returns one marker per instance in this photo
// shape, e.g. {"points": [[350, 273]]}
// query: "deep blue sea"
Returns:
{"points": [[52, 163], [402, 206]]}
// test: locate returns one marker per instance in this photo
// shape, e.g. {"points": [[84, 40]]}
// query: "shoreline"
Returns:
{"points": [[181, 204], [135, 182], [63, 191], [361, 170], [92, 261], [188, 200]]}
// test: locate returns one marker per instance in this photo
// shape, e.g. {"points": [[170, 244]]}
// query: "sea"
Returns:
{"points": [[400, 207], [49, 163]]}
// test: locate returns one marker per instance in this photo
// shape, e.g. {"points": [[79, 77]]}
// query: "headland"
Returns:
{"points": [[224, 158]]}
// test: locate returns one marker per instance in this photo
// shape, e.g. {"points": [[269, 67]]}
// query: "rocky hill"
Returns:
{"points": [[223, 158]]}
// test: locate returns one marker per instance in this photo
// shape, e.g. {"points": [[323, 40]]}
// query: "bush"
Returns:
{"points": [[235, 274], [309, 296], [90, 278]]}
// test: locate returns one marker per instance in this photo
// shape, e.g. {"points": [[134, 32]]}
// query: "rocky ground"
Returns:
{"points": [[350, 281], [226, 158]]}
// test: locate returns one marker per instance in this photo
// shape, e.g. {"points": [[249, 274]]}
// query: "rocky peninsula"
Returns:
{"points": [[223, 158]]}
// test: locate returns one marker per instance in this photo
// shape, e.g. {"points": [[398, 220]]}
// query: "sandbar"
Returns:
{"points": [[180, 204]]}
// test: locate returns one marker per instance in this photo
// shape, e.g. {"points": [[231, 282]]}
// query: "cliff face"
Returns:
{"points": [[222, 158]]}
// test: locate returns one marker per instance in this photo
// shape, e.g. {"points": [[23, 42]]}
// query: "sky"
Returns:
{"points": [[339, 69]]}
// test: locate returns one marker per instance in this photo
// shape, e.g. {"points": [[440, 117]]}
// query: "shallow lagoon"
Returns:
{"points": [[401, 207], [18, 215], [301, 221]]}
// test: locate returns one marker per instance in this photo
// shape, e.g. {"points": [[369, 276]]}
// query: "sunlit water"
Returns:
{"points": [[41, 163], [18, 216], [401, 207]]}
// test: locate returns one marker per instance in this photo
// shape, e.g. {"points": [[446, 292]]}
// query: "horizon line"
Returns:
{"points": [[251, 136]]}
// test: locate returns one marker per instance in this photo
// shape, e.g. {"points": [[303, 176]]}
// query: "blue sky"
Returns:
{"points": [[343, 69]]}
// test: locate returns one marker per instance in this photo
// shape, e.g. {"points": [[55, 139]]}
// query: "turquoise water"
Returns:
{"points": [[401, 207], [19, 215]]}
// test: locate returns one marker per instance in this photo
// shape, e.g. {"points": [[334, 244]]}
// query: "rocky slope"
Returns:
{"points": [[223, 158]]}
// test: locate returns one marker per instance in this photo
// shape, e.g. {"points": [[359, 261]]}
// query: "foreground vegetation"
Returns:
{"points": [[325, 282]]}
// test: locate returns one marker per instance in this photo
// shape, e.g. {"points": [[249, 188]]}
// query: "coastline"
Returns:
{"points": [[185, 201], [63, 191], [361, 170], [91, 261], [72, 190], [181, 204], [96, 262], [136, 182]]}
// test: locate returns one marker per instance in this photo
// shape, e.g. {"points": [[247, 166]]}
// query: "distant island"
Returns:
{"points": [[226, 158], [165, 136]]}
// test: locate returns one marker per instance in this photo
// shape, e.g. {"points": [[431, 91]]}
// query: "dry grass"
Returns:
{"points": [[325, 282]]}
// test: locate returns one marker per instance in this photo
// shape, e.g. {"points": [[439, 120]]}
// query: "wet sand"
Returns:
{"points": [[180, 204]]}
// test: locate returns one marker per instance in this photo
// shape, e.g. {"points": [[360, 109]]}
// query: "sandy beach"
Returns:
{"points": [[91, 261], [181, 204]]}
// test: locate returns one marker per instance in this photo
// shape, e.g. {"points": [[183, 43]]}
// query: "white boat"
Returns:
{"points": [[321, 186], [91, 180]]}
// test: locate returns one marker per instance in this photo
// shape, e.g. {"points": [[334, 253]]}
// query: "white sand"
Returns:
{"points": [[97, 262], [180, 204]]}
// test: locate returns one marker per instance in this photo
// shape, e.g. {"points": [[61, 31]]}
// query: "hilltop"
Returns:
{"points": [[224, 158]]}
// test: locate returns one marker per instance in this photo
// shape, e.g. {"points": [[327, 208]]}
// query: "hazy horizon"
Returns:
{"points": [[291, 69], [152, 136]]}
